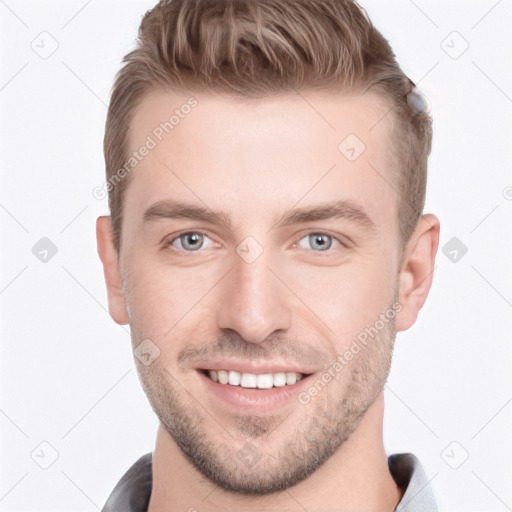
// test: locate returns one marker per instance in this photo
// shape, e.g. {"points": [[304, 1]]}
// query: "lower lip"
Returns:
{"points": [[251, 400]]}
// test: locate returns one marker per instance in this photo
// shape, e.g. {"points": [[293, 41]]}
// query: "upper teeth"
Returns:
{"points": [[253, 380]]}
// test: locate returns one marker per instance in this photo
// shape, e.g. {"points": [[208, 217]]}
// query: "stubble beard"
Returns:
{"points": [[291, 448]]}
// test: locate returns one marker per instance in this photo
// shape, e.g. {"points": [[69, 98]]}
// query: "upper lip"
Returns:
{"points": [[254, 366]]}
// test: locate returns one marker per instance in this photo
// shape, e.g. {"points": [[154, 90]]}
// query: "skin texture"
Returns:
{"points": [[294, 303]]}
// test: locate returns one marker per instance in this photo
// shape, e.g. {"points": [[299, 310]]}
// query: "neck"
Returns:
{"points": [[355, 478]]}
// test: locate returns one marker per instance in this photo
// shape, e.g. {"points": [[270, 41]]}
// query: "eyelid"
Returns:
{"points": [[176, 236], [342, 240]]}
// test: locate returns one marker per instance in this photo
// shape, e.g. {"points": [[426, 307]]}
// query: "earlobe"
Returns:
{"points": [[108, 256], [417, 272]]}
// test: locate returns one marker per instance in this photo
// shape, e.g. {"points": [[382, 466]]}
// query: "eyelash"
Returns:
{"points": [[319, 253]]}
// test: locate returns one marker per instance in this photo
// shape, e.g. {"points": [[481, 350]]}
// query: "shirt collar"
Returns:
{"points": [[406, 470], [132, 492]]}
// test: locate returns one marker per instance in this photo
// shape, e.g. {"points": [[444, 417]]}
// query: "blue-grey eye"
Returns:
{"points": [[318, 241], [190, 241]]}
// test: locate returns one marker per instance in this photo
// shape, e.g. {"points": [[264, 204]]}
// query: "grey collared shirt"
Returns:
{"points": [[132, 492]]}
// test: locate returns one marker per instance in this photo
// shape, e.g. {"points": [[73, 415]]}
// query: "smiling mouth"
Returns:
{"points": [[254, 380]]}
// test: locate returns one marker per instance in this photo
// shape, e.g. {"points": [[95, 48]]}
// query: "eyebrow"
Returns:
{"points": [[341, 209]]}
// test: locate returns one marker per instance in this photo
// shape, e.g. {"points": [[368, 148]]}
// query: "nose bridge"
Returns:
{"points": [[253, 303]]}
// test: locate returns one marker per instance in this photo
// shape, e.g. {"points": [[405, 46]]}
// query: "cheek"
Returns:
{"points": [[161, 296], [350, 297]]}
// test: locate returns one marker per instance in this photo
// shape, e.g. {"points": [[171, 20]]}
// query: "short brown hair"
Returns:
{"points": [[257, 48]]}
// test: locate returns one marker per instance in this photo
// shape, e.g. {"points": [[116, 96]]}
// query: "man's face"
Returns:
{"points": [[258, 290]]}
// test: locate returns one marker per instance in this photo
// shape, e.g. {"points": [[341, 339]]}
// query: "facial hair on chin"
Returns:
{"points": [[314, 434]]}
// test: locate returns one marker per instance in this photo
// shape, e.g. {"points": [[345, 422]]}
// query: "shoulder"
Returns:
{"points": [[132, 492]]}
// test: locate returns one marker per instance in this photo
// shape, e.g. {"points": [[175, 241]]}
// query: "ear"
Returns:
{"points": [[417, 272], [109, 259]]}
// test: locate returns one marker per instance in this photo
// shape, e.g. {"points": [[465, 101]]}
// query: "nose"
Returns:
{"points": [[253, 302]]}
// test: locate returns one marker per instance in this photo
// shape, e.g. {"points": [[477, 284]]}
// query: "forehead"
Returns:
{"points": [[271, 153]]}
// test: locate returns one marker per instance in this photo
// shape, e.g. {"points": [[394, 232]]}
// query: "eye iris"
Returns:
{"points": [[321, 242], [192, 241]]}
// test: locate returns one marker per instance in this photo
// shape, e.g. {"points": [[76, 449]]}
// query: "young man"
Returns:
{"points": [[266, 166]]}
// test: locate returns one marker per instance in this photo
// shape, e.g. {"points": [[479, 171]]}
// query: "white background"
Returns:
{"points": [[67, 375]]}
